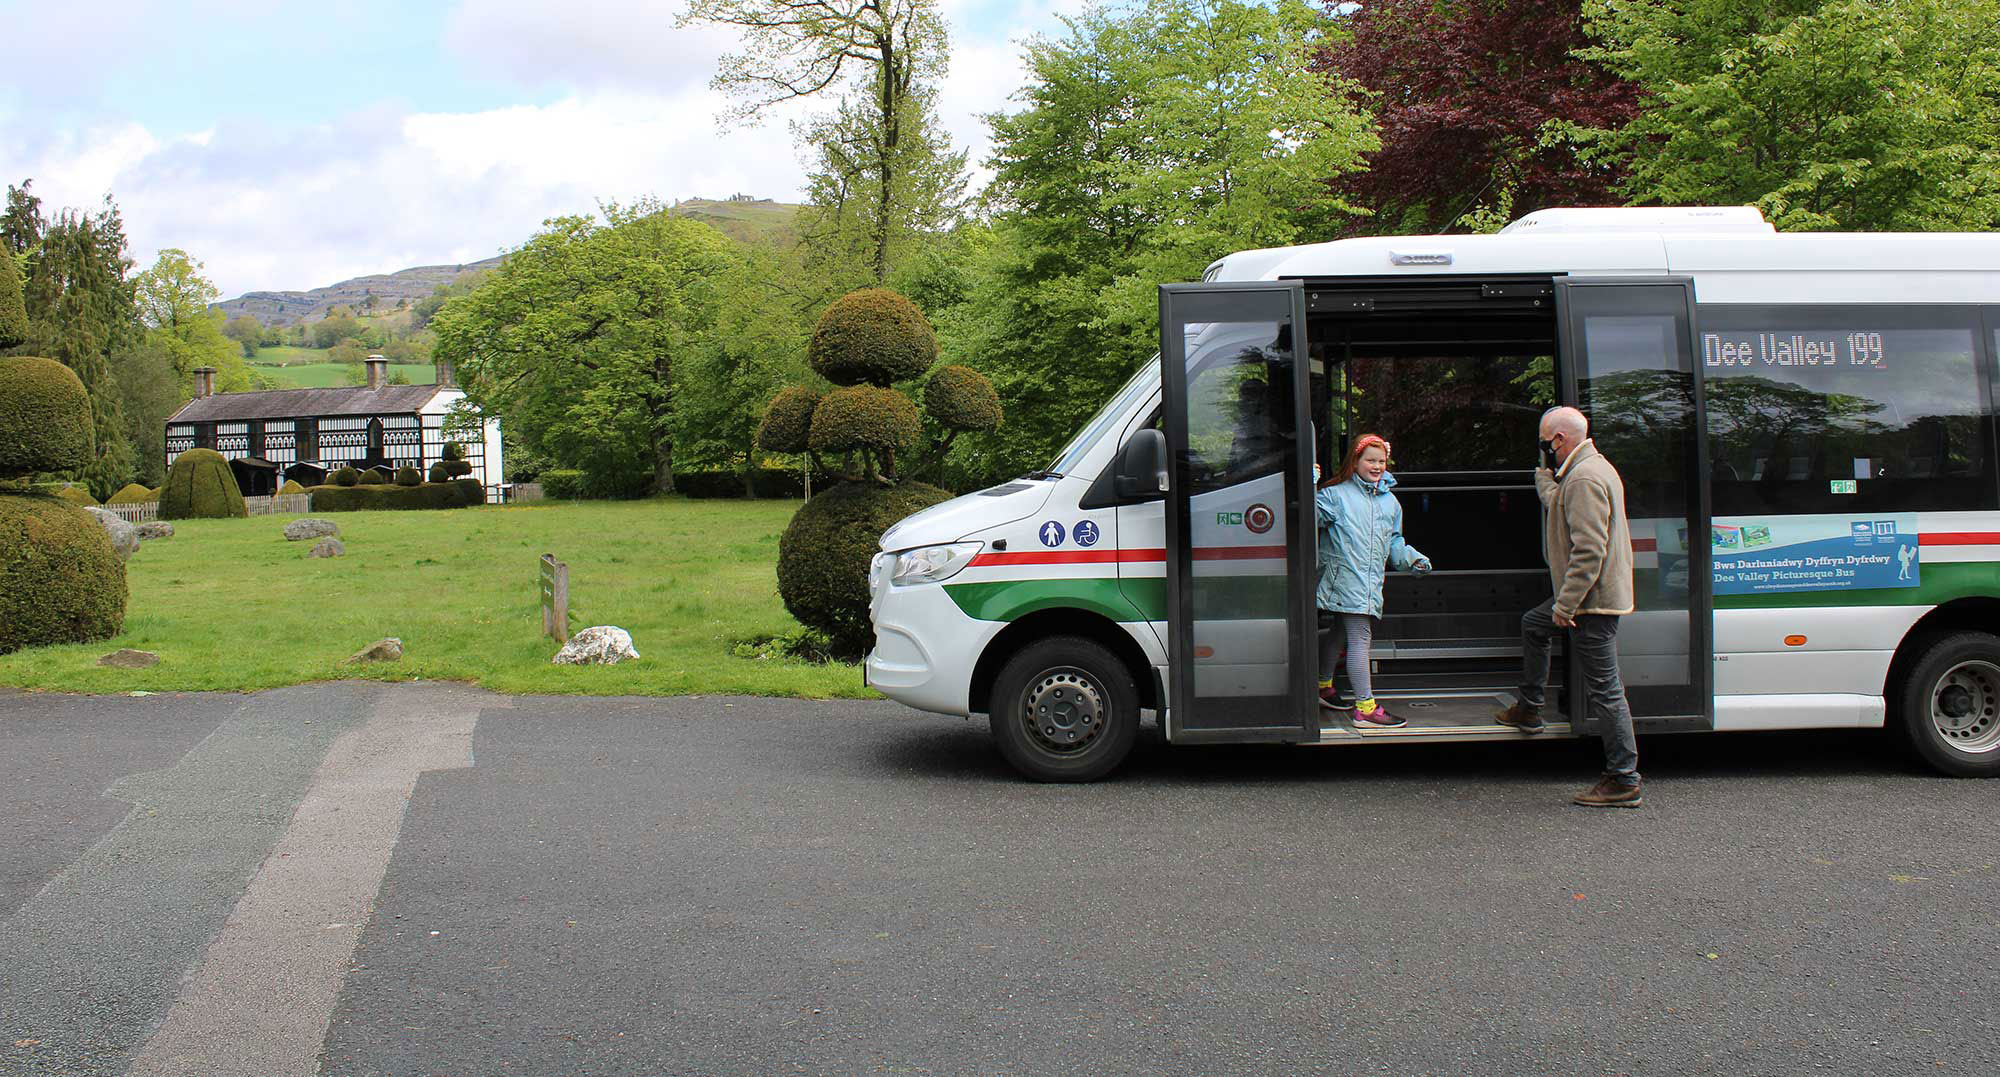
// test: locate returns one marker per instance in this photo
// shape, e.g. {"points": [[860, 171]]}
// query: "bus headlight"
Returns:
{"points": [[933, 564]]}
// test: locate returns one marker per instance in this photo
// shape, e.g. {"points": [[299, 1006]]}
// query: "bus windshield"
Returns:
{"points": [[1141, 382]]}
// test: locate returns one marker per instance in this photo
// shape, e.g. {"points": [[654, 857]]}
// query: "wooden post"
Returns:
{"points": [[555, 598]]}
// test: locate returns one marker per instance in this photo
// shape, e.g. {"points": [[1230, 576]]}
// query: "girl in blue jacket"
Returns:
{"points": [[1360, 531]]}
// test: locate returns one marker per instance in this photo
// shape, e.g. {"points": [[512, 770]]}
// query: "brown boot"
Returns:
{"points": [[1610, 793], [1522, 717]]}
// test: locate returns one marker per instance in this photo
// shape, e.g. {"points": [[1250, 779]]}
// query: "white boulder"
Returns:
{"points": [[604, 644]]}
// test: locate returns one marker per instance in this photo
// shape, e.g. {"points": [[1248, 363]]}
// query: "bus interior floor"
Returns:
{"points": [[1457, 714]]}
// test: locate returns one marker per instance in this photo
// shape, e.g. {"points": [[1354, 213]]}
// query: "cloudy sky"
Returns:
{"points": [[291, 145]]}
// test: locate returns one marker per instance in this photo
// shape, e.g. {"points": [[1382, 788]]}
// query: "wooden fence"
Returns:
{"points": [[142, 511]]}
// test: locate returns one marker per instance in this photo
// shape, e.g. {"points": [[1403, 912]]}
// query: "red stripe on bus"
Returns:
{"points": [[1105, 557], [1959, 538]]}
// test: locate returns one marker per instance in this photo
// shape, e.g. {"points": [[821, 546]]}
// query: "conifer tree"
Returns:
{"points": [[80, 310], [13, 314]]}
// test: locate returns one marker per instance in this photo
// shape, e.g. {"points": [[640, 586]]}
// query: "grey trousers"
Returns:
{"points": [[1353, 633], [1595, 638]]}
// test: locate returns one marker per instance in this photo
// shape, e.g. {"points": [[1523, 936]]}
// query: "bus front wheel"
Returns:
{"points": [[1950, 705], [1065, 709]]}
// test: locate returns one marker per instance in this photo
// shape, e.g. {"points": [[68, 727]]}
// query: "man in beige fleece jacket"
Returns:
{"points": [[1589, 548]]}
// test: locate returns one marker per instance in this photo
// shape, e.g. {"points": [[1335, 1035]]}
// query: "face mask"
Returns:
{"points": [[1549, 454], [1315, 474]]}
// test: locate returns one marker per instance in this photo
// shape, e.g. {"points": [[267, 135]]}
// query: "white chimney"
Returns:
{"points": [[378, 366]]}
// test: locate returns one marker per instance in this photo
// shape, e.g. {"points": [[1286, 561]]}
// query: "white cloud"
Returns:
{"points": [[592, 44], [381, 191]]}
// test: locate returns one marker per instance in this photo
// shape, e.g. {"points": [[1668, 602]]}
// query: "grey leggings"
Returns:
{"points": [[1358, 631]]}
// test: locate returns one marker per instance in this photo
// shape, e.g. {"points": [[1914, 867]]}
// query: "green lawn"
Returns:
{"points": [[229, 605], [286, 355], [331, 375]]}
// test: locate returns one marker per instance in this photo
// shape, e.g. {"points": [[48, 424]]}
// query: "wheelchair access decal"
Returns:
{"points": [[1085, 533]]}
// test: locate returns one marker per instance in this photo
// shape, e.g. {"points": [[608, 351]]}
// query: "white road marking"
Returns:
{"points": [[258, 1002]]}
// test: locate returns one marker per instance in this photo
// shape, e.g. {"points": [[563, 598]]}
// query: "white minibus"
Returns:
{"points": [[1804, 424]]}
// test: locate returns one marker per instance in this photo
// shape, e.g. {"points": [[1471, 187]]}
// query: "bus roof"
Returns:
{"points": [[1731, 249]]}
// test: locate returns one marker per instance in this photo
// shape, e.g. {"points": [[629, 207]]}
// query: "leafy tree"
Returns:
{"points": [[172, 298], [13, 312], [21, 225], [246, 331], [149, 390], [80, 310], [882, 169], [1152, 141], [1827, 114], [347, 351], [338, 325], [1477, 103], [720, 390], [575, 339]]}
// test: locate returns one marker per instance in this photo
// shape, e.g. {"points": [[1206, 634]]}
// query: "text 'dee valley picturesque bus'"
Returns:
{"points": [[1804, 424]]}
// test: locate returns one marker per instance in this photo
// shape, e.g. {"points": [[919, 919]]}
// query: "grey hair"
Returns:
{"points": [[1566, 421]]}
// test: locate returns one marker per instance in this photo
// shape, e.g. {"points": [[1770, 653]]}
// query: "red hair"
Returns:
{"points": [[1361, 445]]}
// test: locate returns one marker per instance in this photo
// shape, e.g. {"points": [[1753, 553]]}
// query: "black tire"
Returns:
{"points": [[1064, 709], [1949, 704]]}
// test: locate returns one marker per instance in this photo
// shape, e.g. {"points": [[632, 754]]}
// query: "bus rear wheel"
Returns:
{"points": [[1950, 704], [1064, 709]]}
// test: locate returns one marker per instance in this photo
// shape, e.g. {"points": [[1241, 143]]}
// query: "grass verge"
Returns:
{"points": [[229, 605]]}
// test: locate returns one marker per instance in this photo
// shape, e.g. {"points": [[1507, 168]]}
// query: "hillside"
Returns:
{"points": [[759, 221]]}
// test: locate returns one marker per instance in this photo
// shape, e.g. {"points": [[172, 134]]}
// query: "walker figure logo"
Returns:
{"points": [[1051, 533], [1258, 519]]}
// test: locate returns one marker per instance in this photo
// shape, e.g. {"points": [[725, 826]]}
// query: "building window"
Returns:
{"points": [[1823, 409]]}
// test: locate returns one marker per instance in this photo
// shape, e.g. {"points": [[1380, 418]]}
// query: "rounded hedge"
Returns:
{"points": [[961, 398], [409, 476], [45, 421], [372, 477], [458, 469], [787, 425], [200, 486], [77, 495], [454, 451], [872, 337], [291, 487], [864, 417], [824, 553], [132, 494], [439, 472], [60, 579], [345, 476]]}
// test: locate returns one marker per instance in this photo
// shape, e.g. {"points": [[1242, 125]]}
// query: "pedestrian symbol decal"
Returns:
{"points": [[1905, 555], [1052, 534], [1085, 533]]}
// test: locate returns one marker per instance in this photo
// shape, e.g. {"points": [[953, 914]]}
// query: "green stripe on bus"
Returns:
{"points": [[1218, 598]]}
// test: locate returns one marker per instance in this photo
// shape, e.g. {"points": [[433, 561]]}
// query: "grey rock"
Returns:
{"points": [[127, 658], [124, 537], [601, 645], [382, 650], [327, 548], [156, 529], [300, 530]]}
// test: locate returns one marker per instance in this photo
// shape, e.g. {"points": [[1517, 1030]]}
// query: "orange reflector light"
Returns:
{"points": [[1795, 641], [1204, 652]]}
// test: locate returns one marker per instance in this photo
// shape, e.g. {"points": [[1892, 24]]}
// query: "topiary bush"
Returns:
{"points": [[291, 487], [458, 469], [456, 494], [563, 484], [45, 418], [864, 417], [345, 476], [60, 579], [960, 398], [372, 477], [872, 337], [132, 494], [440, 472], [824, 553], [76, 495], [787, 424], [454, 450], [409, 476], [200, 486]]}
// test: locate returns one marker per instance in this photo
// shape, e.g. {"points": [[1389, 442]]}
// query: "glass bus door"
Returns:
{"points": [[1627, 360], [1239, 517]]}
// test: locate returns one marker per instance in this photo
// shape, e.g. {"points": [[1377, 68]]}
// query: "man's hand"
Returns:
{"points": [[1562, 620]]}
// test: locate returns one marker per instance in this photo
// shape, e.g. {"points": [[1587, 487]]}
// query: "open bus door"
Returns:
{"points": [[1628, 360], [1240, 531]]}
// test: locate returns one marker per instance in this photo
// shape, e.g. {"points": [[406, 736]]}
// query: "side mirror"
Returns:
{"points": [[1142, 466]]}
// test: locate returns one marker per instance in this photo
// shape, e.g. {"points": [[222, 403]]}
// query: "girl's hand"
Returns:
{"points": [[1422, 566]]}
